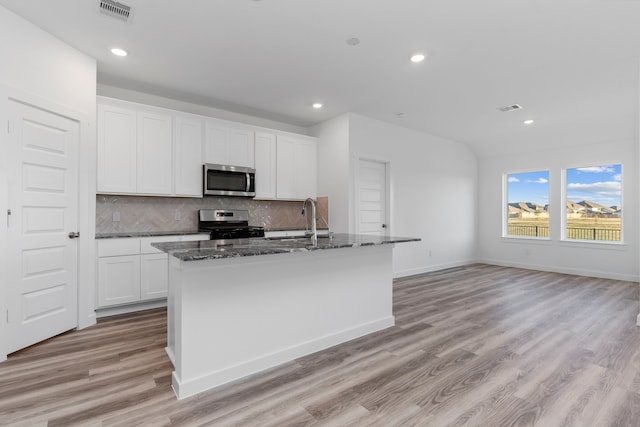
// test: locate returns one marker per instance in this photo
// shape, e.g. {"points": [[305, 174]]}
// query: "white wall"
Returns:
{"points": [[333, 169], [34, 63], [433, 189], [589, 259]]}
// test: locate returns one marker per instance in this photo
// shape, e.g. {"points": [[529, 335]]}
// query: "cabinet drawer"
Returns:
{"points": [[118, 247], [145, 243]]}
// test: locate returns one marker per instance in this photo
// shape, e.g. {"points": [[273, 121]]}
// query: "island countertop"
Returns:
{"points": [[232, 313], [211, 249]]}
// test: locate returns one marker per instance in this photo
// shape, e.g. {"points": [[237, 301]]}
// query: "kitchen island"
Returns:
{"points": [[234, 310]]}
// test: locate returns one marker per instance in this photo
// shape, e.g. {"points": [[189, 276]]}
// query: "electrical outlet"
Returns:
{"points": [[116, 216], [177, 215]]}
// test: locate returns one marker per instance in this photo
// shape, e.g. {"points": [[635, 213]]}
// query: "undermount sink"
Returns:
{"points": [[231, 247], [296, 238]]}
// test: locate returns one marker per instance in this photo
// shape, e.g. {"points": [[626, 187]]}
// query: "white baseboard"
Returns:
{"points": [[431, 268], [185, 389], [564, 270], [130, 308]]}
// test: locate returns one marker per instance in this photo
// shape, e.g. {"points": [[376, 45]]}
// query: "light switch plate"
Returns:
{"points": [[116, 216]]}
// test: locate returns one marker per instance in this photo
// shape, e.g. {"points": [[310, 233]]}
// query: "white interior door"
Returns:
{"points": [[372, 197], [43, 199]]}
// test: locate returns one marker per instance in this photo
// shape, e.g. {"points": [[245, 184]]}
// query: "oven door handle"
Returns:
{"points": [[248, 187]]}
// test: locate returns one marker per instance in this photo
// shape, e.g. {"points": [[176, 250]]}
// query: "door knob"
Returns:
{"points": [[74, 235], [384, 225]]}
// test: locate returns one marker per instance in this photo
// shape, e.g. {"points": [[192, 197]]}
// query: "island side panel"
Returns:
{"points": [[237, 316], [173, 318]]}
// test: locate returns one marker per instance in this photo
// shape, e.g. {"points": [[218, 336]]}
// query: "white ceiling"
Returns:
{"points": [[572, 64]]}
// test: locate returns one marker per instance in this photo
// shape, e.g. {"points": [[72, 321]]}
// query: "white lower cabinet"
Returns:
{"points": [[154, 281], [118, 280], [130, 270]]}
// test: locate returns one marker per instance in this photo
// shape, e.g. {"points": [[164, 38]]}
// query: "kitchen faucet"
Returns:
{"points": [[314, 232]]}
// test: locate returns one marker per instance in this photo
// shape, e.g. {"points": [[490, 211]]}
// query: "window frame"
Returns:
{"points": [[564, 200], [505, 205]]}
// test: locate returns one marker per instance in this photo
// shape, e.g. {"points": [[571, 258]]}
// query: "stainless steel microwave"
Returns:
{"points": [[224, 180]]}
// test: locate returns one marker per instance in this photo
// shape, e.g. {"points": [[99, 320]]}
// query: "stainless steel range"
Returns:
{"points": [[227, 224]]}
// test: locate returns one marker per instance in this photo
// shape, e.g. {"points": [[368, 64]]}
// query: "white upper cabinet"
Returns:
{"points": [[155, 150], [296, 167], [116, 149], [215, 144], [265, 151], [226, 144], [188, 156], [148, 151], [241, 147], [305, 168], [286, 167]]}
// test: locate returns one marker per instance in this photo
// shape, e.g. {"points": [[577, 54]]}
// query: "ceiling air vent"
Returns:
{"points": [[510, 108], [115, 10]]}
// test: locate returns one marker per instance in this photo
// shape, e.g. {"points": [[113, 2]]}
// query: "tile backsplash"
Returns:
{"points": [[168, 214]]}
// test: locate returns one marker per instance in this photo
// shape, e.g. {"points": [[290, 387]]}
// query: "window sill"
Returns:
{"points": [[594, 244], [524, 239]]}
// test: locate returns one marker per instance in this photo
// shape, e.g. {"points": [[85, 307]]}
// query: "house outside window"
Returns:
{"points": [[593, 197], [527, 205]]}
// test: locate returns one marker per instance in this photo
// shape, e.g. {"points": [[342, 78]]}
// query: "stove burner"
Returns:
{"points": [[228, 224]]}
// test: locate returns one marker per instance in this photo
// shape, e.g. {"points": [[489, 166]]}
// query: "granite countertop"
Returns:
{"points": [[176, 233], [145, 234], [210, 249]]}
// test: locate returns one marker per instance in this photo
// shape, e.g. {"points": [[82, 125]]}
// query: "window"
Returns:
{"points": [[527, 209], [594, 203]]}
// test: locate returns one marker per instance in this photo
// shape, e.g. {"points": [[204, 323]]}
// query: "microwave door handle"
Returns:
{"points": [[248, 181]]}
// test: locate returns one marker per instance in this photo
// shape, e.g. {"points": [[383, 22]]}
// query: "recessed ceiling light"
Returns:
{"points": [[119, 52], [317, 105], [528, 122], [417, 57]]}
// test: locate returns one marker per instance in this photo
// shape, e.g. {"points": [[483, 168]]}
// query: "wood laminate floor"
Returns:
{"points": [[474, 346]]}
